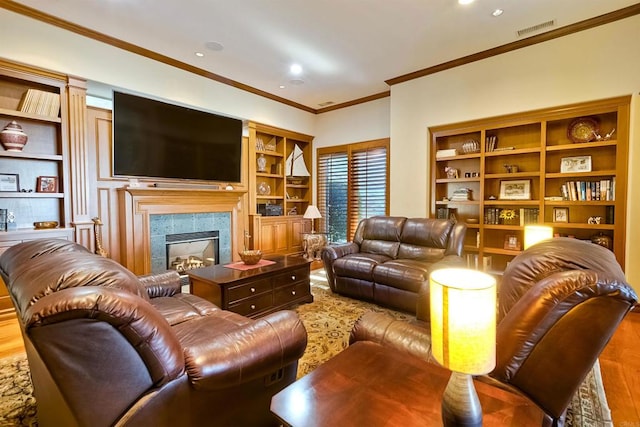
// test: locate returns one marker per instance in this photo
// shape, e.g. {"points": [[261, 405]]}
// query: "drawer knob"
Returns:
{"points": [[293, 277], [253, 290], [293, 292], [253, 306]]}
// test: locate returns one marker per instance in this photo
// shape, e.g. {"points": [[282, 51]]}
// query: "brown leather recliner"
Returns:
{"points": [[560, 302], [108, 348], [390, 258]]}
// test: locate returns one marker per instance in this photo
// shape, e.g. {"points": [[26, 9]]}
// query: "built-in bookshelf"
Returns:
{"points": [[565, 167]]}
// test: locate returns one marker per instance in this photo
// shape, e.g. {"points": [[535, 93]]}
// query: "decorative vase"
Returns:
{"points": [[262, 163], [13, 137]]}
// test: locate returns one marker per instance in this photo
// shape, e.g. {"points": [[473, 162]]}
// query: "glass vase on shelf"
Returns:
{"points": [[261, 163]]}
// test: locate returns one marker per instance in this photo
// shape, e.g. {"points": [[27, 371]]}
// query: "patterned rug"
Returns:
{"points": [[328, 320]]}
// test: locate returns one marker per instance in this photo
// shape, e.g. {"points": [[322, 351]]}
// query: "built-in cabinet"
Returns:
{"points": [[565, 167], [280, 188]]}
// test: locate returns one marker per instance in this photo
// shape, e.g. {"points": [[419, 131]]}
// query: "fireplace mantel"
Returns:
{"points": [[136, 204]]}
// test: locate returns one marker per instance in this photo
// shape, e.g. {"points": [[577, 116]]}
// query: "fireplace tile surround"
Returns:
{"points": [[162, 225]]}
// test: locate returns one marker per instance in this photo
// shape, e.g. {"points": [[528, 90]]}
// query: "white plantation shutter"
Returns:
{"points": [[353, 184]]}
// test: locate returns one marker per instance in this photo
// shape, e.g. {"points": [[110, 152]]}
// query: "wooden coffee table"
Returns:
{"points": [[372, 385], [257, 291]]}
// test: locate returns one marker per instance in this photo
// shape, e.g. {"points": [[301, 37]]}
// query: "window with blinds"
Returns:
{"points": [[353, 184]]}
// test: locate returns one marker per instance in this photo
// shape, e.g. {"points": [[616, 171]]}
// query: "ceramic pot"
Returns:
{"points": [[13, 137]]}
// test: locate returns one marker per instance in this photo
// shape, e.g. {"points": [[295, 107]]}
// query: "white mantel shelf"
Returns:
{"points": [[137, 203]]}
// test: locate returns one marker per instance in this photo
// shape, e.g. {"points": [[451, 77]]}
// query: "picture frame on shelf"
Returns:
{"points": [[511, 242], [9, 182], [560, 214], [575, 164], [47, 184], [515, 190]]}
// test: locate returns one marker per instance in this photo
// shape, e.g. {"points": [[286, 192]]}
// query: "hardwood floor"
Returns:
{"points": [[620, 364]]}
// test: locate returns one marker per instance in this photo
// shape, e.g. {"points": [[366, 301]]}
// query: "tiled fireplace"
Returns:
{"points": [[206, 236], [148, 215]]}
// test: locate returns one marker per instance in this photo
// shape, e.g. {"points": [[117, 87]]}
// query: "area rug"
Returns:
{"points": [[328, 320]]}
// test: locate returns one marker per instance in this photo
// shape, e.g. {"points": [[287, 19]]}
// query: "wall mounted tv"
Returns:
{"points": [[154, 139]]}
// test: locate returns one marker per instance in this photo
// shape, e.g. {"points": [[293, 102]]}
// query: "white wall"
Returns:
{"points": [[35, 43]]}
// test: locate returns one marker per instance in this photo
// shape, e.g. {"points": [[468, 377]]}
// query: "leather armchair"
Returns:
{"points": [[390, 258], [560, 302], [108, 348]]}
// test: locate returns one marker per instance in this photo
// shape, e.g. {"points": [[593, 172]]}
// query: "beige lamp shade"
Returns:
{"points": [[463, 320], [312, 212], [536, 233]]}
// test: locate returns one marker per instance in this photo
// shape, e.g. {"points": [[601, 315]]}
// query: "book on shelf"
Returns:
{"points": [[589, 190], [448, 152], [490, 143], [529, 216], [40, 102], [461, 194]]}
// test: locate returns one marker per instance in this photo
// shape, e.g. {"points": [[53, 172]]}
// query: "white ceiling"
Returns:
{"points": [[347, 48]]}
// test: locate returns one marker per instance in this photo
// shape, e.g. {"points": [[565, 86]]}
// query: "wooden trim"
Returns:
{"points": [[354, 102], [129, 47], [530, 41], [509, 47]]}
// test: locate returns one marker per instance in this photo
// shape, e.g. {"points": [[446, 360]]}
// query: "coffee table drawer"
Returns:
{"points": [[285, 295], [252, 306], [292, 276], [247, 290]]}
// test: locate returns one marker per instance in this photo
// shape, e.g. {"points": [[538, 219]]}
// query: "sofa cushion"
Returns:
{"points": [[182, 307], [406, 274], [424, 238], [60, 270], [380, 235], [359, 265]]}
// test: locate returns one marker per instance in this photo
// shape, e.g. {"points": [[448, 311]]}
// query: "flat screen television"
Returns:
{"points": [[155, 139]]}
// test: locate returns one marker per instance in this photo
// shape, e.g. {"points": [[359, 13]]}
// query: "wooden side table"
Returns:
{"points": [[372, 385]]}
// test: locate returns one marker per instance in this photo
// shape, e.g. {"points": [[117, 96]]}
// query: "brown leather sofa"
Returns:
{"points": [[390, 258], [108, 348], [560, 302]]}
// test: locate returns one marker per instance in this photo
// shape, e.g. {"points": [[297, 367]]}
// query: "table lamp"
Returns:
{"points": [[463, 337], [536, 233], [312, 213]]}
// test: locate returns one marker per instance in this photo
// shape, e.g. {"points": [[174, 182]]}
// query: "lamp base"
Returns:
{"points": [[460, 403]]}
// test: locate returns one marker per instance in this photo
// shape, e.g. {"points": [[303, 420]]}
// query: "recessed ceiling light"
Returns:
{"points": [[281, 86], [199, 54], [215, 46], [296, 69], [497, 12], [465, 1]]}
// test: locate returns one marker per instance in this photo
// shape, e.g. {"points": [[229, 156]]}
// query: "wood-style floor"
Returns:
{"points": [[620, 364]]}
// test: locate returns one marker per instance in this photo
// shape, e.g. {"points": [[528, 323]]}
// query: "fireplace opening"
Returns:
{"points": [[186, 251]]}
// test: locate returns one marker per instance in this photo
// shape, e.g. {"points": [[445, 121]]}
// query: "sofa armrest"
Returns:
{"points": [[333, 252], [413, 338], [164, 284], [244, 353]]}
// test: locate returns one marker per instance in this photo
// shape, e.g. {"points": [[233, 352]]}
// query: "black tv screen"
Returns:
{"points": [[155, 139]]}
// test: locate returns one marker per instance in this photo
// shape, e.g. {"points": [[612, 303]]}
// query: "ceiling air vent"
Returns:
{"points": [[325, 104], [536, 28]]}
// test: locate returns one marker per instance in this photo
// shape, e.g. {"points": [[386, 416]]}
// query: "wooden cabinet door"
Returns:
{"points": [[273, 237]]}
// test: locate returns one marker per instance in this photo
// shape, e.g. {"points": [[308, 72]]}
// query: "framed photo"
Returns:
{"points": [[560, 214], [515, 190], [511, 242], [575, 164], [9, 182], [47, 184]]}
